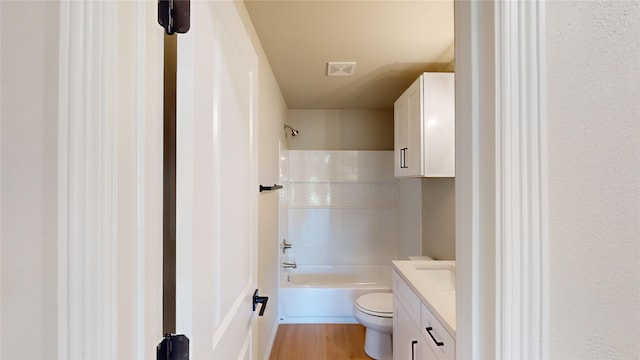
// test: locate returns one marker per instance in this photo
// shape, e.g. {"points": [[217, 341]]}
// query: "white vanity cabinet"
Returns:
{"points": [[406, 321], [406, 341], [417, 334], [424, 128], [436, 341]]}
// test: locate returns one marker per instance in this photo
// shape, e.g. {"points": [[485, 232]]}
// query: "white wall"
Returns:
{"points": [[29, 111], [593, 80]]}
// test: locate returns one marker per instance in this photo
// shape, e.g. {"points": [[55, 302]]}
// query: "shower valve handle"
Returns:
{"points": [[285, 245]]}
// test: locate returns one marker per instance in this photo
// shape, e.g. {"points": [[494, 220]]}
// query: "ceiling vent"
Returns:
{"points": [[343, 68]]}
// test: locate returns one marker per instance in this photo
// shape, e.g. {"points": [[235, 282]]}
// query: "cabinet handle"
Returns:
{"points": [[438, 343], [413, 349], [403, 158]]}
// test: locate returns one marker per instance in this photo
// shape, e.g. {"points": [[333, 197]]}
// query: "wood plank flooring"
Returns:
{"points": [[319, 342]]}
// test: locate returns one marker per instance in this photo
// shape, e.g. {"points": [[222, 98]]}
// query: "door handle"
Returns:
{"points": [[259, 300]]}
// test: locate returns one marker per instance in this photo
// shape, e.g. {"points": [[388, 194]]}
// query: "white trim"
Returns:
{"points": [[0, 190], [475, 181], [501, 225], [110, 246], [521, 181], [63, 191], [87, 202], [139, 128], [104, 294], [245, 350]]}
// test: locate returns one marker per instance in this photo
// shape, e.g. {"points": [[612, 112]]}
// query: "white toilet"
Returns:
{"points": [[375, 312]]}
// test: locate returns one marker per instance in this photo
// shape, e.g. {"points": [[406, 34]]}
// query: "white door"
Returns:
{"points": [[216, 184]]}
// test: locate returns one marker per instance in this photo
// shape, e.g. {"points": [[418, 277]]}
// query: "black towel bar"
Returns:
{"points": [[270, 188]]}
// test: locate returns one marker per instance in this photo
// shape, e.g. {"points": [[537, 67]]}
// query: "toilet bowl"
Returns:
{"points": [[375, 312]]}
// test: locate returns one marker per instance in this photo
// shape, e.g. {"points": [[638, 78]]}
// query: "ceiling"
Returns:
{"points": [[392, 41]]}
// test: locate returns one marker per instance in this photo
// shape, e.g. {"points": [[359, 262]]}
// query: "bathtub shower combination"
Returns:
{"points": [[325, 293], [341, 222]]}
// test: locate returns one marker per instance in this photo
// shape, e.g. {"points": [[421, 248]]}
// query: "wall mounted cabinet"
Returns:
{"points": [[424, 128]]}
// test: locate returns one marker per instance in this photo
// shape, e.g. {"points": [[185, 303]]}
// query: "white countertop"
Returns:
{"points": [[439, 295]]}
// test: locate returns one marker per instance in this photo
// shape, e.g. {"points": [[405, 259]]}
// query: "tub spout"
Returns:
{"points": [[289, 265]]}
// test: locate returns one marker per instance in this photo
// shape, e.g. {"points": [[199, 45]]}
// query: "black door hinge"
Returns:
{"points": [[174, 15], [173, 347]]}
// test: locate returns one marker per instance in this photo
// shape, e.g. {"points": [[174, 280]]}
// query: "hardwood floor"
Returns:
{"points": [[319, 342]]}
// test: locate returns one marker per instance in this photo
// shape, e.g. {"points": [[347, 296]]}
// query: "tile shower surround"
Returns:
{"points": [[342, 207]]}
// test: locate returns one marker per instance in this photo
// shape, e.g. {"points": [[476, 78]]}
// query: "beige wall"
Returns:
{"points": [[439, 218], [29, 132], [272, 111], [409, 217], [349, 129], [593, 81]]}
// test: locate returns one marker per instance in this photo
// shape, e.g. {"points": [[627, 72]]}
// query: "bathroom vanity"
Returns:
{"points": [[424, 310]]}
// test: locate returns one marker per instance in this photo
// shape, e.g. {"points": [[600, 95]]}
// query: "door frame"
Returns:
{"points": [[109, 302], [501, 180]]}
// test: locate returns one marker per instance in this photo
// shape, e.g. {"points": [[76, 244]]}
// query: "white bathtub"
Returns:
{"points": [[325, 294]]}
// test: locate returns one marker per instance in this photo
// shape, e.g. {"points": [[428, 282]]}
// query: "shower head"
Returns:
{"points": [[293, 131]]}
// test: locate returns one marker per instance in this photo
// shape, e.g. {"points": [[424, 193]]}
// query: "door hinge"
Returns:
{"points": [[173, 347], [174, 15]]}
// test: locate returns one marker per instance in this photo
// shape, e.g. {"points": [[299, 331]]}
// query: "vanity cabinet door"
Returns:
{"points": [[425, 350], [440, 342], [406, 334]]}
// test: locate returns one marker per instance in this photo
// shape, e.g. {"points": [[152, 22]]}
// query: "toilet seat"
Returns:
{"points": [[376, 304]]}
